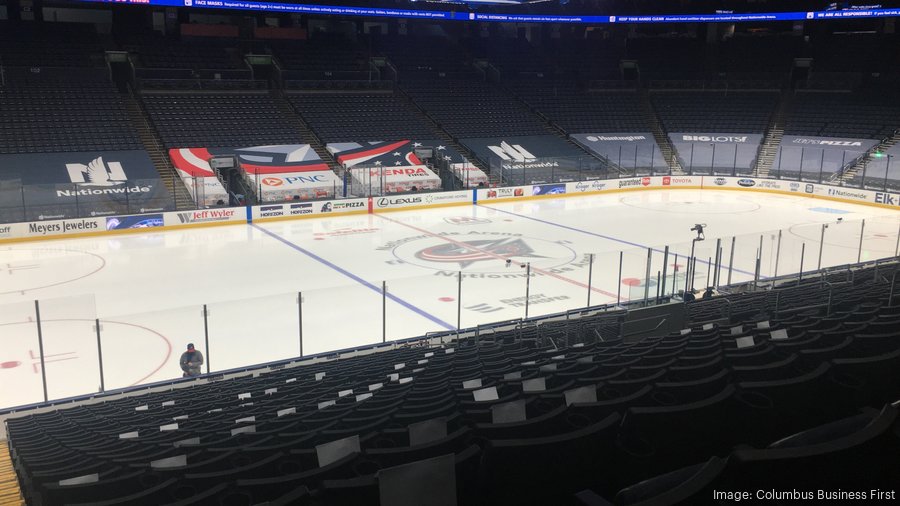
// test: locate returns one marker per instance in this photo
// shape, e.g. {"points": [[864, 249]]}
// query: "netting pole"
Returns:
{"points": [[731, 258], [709, 270], [384, 311], [675, 275], [37, 317], [821, 245], [658, 274], [458, 304], [99, 354], [527, 286], [802, 254], [590, 278], [300, 320], [206, 335], [718, 280], [619, 282], [647, 275], [693, 273], [862, 232], [691, 164], [777, 255], [715, 276], [665, 269]]}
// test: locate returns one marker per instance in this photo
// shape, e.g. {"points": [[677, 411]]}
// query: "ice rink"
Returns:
{"points": [[148, 290]]}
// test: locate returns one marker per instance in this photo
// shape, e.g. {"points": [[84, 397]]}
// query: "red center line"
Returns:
{"points": [[500, 257]]}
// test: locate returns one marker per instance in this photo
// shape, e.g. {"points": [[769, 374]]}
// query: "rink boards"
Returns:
{"points": [[52, 229]]}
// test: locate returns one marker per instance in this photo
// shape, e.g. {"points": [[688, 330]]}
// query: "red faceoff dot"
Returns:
{"points": [[631, 281], [10, 364], [446, 299]]}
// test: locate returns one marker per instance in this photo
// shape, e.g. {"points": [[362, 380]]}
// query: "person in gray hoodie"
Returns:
{"points": [[191, 360]]}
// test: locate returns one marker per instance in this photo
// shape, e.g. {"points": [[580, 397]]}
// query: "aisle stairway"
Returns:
{"points": [[851, 173], [158, 155], [659, 134], [769, 148], [9, 485]]}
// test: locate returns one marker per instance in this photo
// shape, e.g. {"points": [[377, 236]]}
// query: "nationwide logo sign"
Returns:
{"points": [[518, 157], [849, 194], [97, 173], [469, 252], [513, 152], [720, 181], [91, 178], [206, 215]]}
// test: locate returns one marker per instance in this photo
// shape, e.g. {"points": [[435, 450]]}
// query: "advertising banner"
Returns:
{"points": [[192, 166], [418, 200], [709, 153], [401, 153], [296, 209], [382, 180], [205, 216], [59, 227], [296, 186], [543, 158], [814, 156], [635, 151], [95, 183]]}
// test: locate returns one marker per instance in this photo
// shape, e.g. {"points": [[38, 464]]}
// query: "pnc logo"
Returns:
{"points": [[272, 181]]}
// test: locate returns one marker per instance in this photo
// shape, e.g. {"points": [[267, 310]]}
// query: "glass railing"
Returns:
{"points": [[64, 347]]}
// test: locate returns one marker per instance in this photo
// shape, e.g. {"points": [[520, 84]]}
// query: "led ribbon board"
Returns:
{"points": [[376, 12]]}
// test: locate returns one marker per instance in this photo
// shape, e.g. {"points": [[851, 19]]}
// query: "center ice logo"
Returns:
{"points": [[469, 252]]}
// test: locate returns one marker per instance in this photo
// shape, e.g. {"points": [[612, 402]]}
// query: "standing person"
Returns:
{"points": [[191, 360]]}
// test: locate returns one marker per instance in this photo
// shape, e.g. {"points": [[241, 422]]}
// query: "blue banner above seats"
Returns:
{"points": [[73, 184], [626, 150], [513, 152], [819, 155], [716, 152]]}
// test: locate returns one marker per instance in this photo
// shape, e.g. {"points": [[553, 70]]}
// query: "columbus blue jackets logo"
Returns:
{"points": [[470, 252]]}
